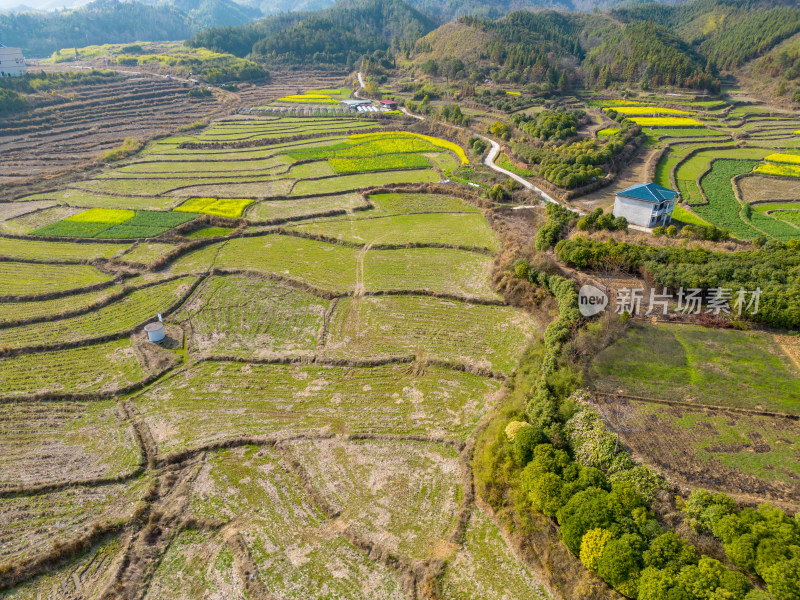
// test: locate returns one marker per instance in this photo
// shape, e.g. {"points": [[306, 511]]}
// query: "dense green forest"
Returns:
{"points": [[40, 34], [338, 35]]}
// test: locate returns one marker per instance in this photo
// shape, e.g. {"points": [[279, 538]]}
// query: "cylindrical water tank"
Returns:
{"points": [[155, 331]]}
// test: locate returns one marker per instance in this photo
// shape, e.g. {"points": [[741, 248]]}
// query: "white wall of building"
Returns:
{"points": [[638, 212], [12, 63], [641, 212]]}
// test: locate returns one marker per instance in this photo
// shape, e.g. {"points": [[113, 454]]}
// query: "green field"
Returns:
{"points": [[57, 251], [437, 270], [43, 309], [280, 524], [481, 336], [468, 230], [25, 279], [135, 309], [689, 363], [92, 368], [413, 494], [327, 266], [85, 439], [184, 411], [385, 327], [30, 523], [346, 183], [486, 568], [245, 316], [303, 207]]}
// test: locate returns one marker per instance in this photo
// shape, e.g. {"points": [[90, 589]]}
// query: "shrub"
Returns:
{"points": [[129, 146], [672, 231], [525, 441], [592, 546], [659, 231]]}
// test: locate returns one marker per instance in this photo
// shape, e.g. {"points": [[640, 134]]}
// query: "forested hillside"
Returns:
{"points": [[650, 44], [111, 21], [337, 35]]}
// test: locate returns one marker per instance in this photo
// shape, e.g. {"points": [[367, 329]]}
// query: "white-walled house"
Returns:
{"points": [[646, 204], [12, 63]]}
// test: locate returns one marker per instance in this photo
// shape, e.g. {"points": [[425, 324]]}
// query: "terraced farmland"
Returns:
{"points": [[302, 431], [703, 169]]}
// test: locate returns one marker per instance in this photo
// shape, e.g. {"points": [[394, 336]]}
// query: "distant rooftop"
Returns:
{"points": [[649, 192]]}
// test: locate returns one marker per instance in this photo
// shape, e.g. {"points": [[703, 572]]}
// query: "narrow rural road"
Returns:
{"points": [[490, 157]]}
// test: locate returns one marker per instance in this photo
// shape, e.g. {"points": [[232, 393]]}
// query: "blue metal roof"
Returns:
{"points": [[649, 192]]}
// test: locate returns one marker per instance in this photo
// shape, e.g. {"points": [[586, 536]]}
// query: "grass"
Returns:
{"points": [[30, 524], [468, 230], [211, 232], [290, 209], [401, 203], [707, 366], [242, 316], [187, 410], [347, 183], [133, 310], [63, 251], [76, 440], [13, 311], [449, 271], [19, 278], [487, 568], [146, 252], [684, 216], [280, 524], [790, 216], [655, 132], [230, 208], [490, 337], [411, 500], [328, 266], [82, 198]]}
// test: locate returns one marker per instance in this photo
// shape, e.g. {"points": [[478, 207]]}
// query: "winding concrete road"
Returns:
{"points": [[490, 157]]}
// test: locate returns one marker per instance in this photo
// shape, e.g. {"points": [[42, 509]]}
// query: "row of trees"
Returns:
{"points": [[774, 268]]}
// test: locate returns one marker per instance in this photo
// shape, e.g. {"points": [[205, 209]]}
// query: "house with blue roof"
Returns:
{"points": [[647, 204]]}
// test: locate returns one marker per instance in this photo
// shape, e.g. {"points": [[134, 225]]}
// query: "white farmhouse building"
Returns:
{"points": [[646, 204], [12, 63]]}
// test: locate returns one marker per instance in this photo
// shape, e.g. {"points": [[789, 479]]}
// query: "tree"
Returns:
{"points": [[668, 551], [430, 67], [783, 579], [592, 547], [621, 560]]}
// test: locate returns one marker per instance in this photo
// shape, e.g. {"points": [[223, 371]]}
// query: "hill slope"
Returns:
{"points": [[337, 35]]}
